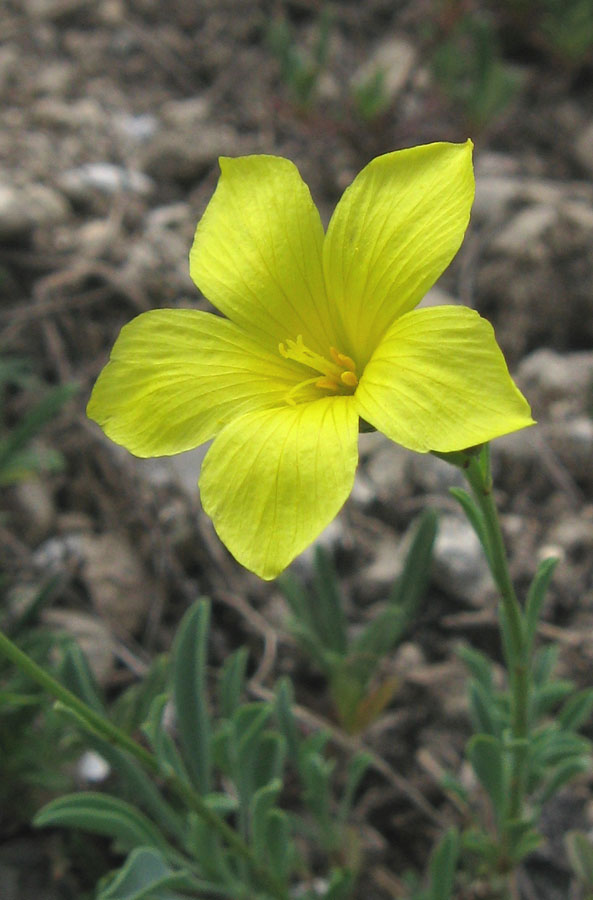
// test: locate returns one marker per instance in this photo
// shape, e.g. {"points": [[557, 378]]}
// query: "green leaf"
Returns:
{"points": [[329, 611], [473, 514], [486, 755], [316, 774], [409, 588], [269, 758], [536, 596], [478, 664], [560, 746], [530, 840], [285, 717], [580, 853], [443, 865], [483, 710], [190, 693], [232, 682], [375, 640], [213, 860], [145, 876], [564, 773], [139, 787], [261, 805], [577, 710], [161, 741], [357, 768], [340, 885], [281, 847], [101, 814], [302, 624], [544, 662], [31, 424], [549, 695], [76, 675]]}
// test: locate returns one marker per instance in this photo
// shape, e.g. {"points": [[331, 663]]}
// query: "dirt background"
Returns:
{"points": [[112, 117]]}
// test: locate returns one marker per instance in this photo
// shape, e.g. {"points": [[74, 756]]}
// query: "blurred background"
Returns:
{"points": [[112, 117]]}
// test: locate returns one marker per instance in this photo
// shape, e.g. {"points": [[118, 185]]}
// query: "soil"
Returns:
{"points": [[113, 116]]}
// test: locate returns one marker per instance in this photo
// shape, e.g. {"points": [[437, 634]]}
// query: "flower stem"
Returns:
{"points": [[110, 732], [479, 477]]}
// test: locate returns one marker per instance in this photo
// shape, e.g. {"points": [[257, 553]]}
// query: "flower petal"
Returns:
{"points": [[273, 480], [393, 233], [257, 251], [177, 376], [438, 381]]}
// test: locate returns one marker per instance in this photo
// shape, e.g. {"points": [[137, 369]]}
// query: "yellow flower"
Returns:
{"points": [[319, 331]]}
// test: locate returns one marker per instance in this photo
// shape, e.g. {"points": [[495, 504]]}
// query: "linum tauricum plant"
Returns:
{"points": [[319, 338]]}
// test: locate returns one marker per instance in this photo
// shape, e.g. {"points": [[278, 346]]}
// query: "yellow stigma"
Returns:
{"points": [[338, 374]]}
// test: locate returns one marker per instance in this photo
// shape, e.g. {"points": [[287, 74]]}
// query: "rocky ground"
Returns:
{"points": [[113, 116]]}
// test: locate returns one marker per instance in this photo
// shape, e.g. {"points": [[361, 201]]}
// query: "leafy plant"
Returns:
{"points": [[299, 68], [19, 458], [211, 824], [580, 854], [351, 663], [468, 67], [30, 730]]}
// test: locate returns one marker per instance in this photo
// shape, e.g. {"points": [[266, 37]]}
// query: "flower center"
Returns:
{"points": [[337, 374]]}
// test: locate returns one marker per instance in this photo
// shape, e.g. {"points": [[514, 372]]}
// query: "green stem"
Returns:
{"points": [[103, 727], [479, 476]]}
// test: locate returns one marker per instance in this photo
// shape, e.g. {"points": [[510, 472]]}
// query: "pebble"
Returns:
{"points": [[572, 444], [459, 565], [524, 234], [24, 208], [186, 155], [106, 178], [92, 636], [387, 468], [549, 378]]}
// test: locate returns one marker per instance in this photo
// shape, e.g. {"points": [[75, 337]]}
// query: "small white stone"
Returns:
{"points": [[93, 768]]}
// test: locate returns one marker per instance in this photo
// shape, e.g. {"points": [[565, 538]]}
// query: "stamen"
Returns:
{"points": [[337, 373]]}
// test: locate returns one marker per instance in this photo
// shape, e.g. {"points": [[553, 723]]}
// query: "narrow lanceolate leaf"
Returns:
{"points": [[486, 755], [190, 693], [443, 865], [147, 876], [577, 710], [101, 814], [580, 853], [330, 607], [411, 584], [536, 597]]}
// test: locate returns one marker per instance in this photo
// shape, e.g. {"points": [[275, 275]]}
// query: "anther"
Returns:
{"points": [[349, 379], [327, 382], [346, 362]]}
